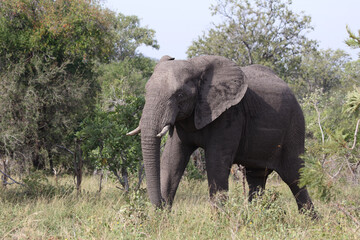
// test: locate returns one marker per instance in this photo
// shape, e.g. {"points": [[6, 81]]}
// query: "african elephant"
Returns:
{"points": [[246, 116]]}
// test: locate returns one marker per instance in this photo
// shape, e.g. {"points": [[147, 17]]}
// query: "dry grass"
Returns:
{"points": [[114, 215]]}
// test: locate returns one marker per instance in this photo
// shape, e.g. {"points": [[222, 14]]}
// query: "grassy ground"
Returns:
{"points": [[113, 215]]}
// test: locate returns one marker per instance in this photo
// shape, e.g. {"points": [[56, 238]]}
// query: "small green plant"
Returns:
{"points": [[105, 144], [37, 184], [136, 203], [314, 176], [192, 172]]}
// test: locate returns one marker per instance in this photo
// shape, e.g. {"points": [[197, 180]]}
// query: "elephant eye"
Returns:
{"points": [[179, 95]]}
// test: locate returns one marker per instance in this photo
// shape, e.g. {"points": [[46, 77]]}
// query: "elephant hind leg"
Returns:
{"points": [[256, 179], [291, 176]]}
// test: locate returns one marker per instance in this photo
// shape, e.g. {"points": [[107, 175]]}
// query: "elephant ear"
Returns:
{"points": [[222, 85], [166, 58]]}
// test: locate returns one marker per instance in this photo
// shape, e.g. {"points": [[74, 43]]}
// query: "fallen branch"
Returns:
{"points": [[347, 213], [12, 179]]}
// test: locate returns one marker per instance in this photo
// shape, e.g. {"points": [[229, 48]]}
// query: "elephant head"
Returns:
{"points": [[203, 87]]}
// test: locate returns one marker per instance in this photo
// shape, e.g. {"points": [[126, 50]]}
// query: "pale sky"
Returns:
{"points": [[178, 23]]}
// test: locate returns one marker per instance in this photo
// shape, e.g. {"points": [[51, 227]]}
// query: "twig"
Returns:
{"points": [[319, 123], [101, 178], [119, 179], [140, 174], [12, 179], [347, 213], [332, 177], [348, 164], [243, 172], [355, 135], [66, 149], [6, 234]]}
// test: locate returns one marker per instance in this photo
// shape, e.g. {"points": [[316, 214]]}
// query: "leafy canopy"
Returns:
{"points": [[262, 32], [50, 53]]}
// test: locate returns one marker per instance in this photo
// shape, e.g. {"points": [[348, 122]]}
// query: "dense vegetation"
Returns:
{"points": [[69, 70], [115, 215], [72, 84]]}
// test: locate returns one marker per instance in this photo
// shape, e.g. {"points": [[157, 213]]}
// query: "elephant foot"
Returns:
{"points": [[309, 211], [218, 200]]}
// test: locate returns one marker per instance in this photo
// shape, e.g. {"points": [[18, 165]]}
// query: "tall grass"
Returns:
{"points": [[112, 214]]}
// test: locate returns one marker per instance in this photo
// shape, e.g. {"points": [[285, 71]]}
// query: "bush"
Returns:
{"points": [[37, 184]]}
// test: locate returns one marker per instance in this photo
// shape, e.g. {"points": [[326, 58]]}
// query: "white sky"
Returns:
{"points": [[177, 23]]}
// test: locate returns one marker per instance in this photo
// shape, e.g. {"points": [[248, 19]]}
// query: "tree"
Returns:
{"points": [[119, 79], [130, 36], [49, 49], [103, 134], [353, 41], [105, 144], [262, 31], [49, 55], [320, 69]]}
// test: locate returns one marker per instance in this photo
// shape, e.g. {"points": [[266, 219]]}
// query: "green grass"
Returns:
{"points": [[115, 215]]}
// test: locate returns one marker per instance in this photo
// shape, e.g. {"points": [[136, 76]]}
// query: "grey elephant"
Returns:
{"points": [[246, 116]]}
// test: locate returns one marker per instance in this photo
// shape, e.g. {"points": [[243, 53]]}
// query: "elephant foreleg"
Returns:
{"points": [[218, 165], [256, 179], [174, 159]]}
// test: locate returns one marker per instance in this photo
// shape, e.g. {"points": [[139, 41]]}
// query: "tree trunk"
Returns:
{"points": [[4, 177], [78, 164]]}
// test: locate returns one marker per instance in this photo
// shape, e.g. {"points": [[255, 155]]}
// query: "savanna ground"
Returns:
{"points": [[63, 214]]}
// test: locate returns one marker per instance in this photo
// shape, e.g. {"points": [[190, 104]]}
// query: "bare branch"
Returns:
{"points": [[337, 173], [348, 164], [66, 149], [319, 123], [355, 135], [347, 213], [141, 174], [12, 179]]}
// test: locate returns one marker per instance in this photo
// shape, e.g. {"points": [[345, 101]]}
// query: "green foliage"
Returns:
{"points": [[240, 216], [192, 172], [120, 102], [47, 53], [136, 204], [130, 36], [38, 185], [353, 41], [314, 176], [352, 104], [78, 30], [50, 52], [123, 78], [104, 140], [112, 215], [331, 152], [262, 32], [320, 69], [41, 104]]}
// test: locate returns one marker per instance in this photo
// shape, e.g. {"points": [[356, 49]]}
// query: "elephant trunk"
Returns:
{"points": [[150, 144]]}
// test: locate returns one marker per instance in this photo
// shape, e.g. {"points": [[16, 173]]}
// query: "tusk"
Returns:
{"points": [[134, 132], [163, 131]]}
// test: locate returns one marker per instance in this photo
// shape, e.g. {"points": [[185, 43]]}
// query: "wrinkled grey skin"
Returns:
{"points": [[238, 115]]}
